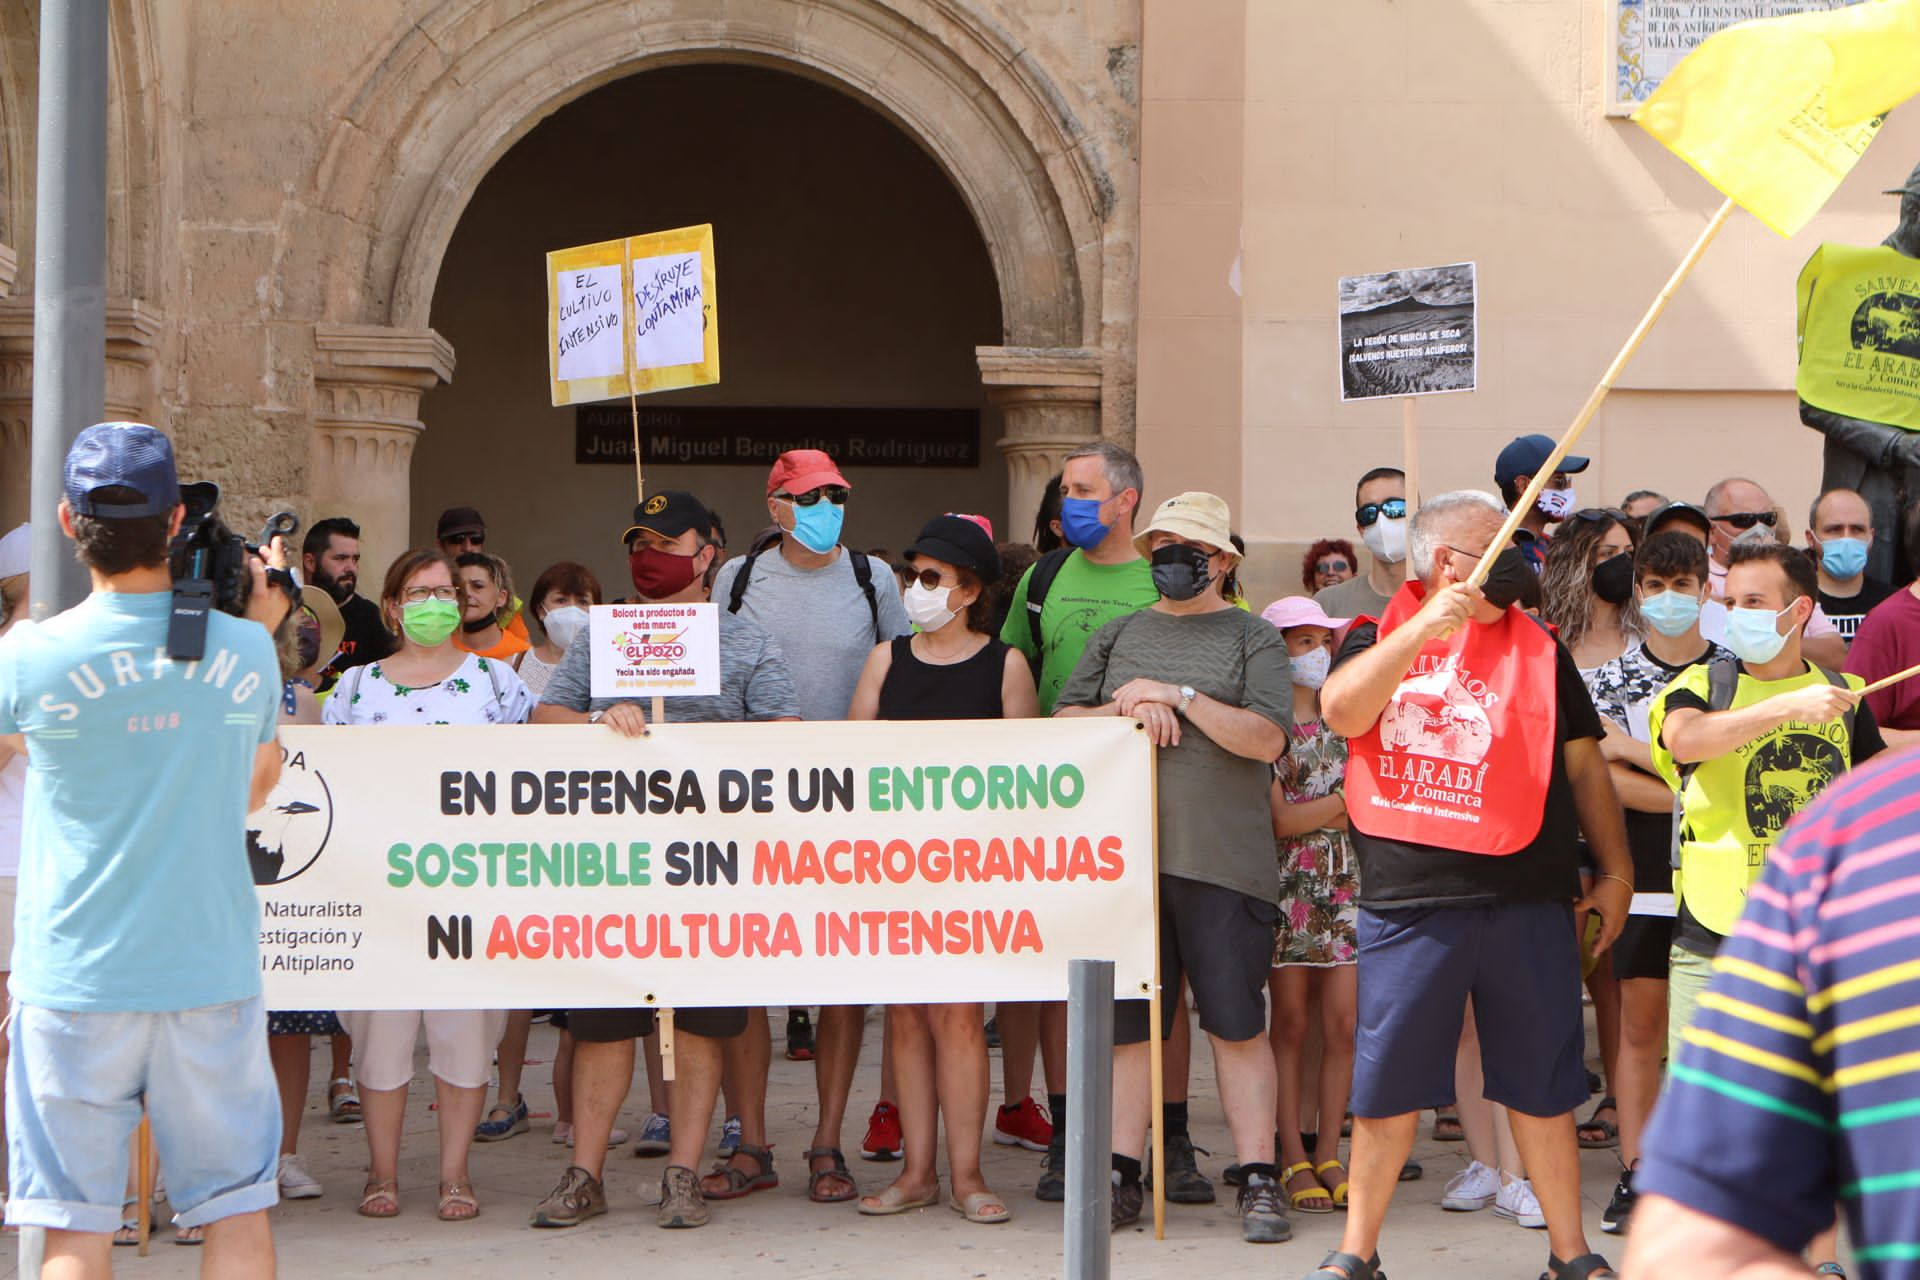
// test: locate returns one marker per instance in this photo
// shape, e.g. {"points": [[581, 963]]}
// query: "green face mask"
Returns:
{"points": [[430, 622]]}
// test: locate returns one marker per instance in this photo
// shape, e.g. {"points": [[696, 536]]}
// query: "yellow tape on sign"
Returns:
{"points": [[586, 322], [1859, 312], [676, 313]]}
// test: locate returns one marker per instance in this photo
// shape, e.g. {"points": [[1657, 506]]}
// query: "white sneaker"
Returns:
{"points": [[1517, 1201], [295, 1182], [1474, 1187]]}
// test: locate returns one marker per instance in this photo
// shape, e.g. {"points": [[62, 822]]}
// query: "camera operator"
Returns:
{"points": [[141, 771]]}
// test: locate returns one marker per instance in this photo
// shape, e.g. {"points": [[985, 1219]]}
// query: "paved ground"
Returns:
{"points": [[780, 1236]]}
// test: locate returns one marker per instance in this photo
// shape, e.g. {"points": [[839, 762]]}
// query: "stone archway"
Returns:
{"points": [[457, 88]]}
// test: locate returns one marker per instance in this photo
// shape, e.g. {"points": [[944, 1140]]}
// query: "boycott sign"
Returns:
{"points": [[654, 650], [704, 864], [1407, 333]]}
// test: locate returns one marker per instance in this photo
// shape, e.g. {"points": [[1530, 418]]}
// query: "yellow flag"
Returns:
{"points": [[1776, 112]]}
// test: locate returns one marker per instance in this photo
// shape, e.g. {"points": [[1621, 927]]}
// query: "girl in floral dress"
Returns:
{"points": [[1314, 948]]}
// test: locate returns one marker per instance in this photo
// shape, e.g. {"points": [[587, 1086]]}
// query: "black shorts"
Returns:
{"points": [[606, 1026], [1220, 942], [1641, 949]]}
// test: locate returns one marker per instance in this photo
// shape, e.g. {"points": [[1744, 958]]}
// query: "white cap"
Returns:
{"points": [[16, 552]]}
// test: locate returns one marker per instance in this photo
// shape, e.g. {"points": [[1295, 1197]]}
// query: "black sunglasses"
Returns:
{"points": [[836, 494], [1331, 566], [467, 539], [1392, 509], [1748, 519], [928, 578]]}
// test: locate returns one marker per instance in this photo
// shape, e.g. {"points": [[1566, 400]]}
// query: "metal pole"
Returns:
{"points": [[69, 276], [1089, 1119]]}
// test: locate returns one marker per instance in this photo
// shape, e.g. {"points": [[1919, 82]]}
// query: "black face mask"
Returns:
{"points": [[1509, 578], [1181, 572], [1613, 579], [475, 626]]}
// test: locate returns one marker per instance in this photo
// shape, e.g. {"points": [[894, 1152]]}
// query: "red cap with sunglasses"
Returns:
{"points": [[803, 470]]}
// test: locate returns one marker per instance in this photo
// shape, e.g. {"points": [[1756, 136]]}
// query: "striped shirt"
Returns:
{"points": [[1798, 1084]]}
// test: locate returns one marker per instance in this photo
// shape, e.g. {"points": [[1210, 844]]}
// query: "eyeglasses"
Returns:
{"points": [[466, 539], [928, 578], [1461, 551], [1748, 519], [1332, 566], [420, 595], [1392, 509], [836, 494]]}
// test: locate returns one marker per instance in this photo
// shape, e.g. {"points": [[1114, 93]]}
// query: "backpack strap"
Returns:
{"points": [[1039, 582], [352, 683], [493, 674], [738, 591], [1723, 681], [863, 574]]}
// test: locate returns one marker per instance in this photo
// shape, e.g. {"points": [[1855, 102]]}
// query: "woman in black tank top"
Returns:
{"points": [[952, 669]]}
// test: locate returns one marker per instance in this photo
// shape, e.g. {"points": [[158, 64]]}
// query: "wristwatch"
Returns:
{"points": [[593, 717], [1187, 695]]}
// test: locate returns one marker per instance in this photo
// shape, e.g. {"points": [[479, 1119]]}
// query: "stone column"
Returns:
{"points": [[133, 330], [367, 383], [1049, 401]]}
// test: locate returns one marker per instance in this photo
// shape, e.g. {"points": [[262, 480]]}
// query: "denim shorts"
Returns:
{"points": [[74, 1088]]}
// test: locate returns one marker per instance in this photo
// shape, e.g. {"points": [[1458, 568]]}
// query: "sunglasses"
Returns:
{"points": [[1392, 509], [928, 578], [1748, 519], [466, 539], [836, 494], [1332, 566]]}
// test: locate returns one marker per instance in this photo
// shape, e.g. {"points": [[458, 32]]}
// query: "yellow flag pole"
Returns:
{"points": [[1592, 406]]}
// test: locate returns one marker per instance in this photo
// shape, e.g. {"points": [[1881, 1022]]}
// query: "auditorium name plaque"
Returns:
{"points": [[721, 436]]}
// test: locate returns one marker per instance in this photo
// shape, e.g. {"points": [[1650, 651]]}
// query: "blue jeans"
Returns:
{"points": [[74, 1087]]}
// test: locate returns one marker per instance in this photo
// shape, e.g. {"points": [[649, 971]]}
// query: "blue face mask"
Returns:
{"points": [[1080, 522], [1753, 635], [1843, 558], [818, 526], [1670, 612]]}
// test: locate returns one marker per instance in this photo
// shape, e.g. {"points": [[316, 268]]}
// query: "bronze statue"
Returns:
{"points": [[1880, 462]]}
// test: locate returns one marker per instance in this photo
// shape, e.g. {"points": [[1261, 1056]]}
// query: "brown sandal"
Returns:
{"points": [[457, 1195], [727, 1182], [380, 1199], [839, 1170]]}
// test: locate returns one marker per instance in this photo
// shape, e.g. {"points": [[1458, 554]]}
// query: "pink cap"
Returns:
{"points": [[1300, 611], [985, 524]]}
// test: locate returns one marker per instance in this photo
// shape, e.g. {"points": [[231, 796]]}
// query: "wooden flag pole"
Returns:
{"points": [[639, 471], [1410, 448], [1156, 1065], [1592, 406], [143, 1182], [1895, 678], [666, 1045]]}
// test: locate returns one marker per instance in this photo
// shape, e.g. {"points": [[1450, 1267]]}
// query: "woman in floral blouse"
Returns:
{"points": [[426, 681], [1314, 947]]}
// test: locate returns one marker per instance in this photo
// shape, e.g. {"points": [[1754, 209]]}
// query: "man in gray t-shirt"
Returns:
{"points": [[1213, 686]]}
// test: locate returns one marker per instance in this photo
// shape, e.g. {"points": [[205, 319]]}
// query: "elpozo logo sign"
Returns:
{"points": [[654, 650]]}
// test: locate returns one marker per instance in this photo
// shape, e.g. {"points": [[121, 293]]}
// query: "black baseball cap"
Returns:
{"points": [[1682, 510], [456, 520], [1525, 455], [670, 513], [961, 543], [128, 455]]}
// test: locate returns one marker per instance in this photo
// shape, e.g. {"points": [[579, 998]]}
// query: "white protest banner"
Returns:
{"points": [[654, 650], [586, 322], [1408, 333], [704, 864]]}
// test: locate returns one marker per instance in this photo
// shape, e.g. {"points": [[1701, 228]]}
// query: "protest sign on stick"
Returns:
{"points": [[1409, 333]]}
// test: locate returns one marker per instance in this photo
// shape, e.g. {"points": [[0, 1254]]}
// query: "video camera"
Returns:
{"points": [[209, 563]]}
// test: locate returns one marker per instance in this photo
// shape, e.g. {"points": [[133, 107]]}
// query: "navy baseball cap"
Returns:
{"points": [[669, 513], [130, 455], [1526, 454]]}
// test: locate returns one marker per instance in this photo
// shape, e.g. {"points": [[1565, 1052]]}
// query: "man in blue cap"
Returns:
{"points": [[142, 771], [1515, 469]]}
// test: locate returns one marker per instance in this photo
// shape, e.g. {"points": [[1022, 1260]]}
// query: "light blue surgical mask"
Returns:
{"points": [[1671, 613], [818, 526], [1843, 558], [1080, 522], [1754, 636]]}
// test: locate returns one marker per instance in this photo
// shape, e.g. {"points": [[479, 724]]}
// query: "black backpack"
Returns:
{"points": [[862, 574], [1039, 582]]}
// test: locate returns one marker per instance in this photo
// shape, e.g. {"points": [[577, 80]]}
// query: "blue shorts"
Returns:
{"points": [[1519, 962], [74, 1088]]}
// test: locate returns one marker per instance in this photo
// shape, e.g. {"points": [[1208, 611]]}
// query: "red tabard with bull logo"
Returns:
{"points": [[1462, 754]]}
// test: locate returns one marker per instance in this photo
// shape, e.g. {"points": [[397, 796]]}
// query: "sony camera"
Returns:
{"points": [[209, 563]]}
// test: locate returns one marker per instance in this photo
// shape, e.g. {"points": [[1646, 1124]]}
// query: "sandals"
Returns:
{"points": [[1347, 1266], [190, 1235], [1314, 1198], [974, 1207], [502, 1121], [893, 1200], [1338, 1189], [1609, 1130], [839, 1170], [129, 1229], [380, 1199], [1446, 1126], [1583, 1267], [343, 1103], [457, 1203], [735, 1182]]}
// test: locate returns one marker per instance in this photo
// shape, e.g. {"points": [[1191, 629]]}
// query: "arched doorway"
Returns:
{"points": [[851, 275]]}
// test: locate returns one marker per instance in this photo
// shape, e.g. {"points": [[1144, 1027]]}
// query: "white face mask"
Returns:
{"points": [[564, 625], [1310, 668], [1386, 539], [927, 607], [1555, 503]]}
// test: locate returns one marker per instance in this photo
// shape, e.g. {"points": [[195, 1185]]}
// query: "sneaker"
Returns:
{"points": [[579, 1196], [993, 1032], [295, 1182], [1024, 1125], [883, 1133], [503, 1122], [1052, 1186], [1620, 1207], [1185, 1183], [729, 1137], [1517, 1202], [1127, 1201], [656, 1137], [799, 1036], [681, 1204], [563, 1133], [616, 1137], [1474, 1187], [1262, 1219]]}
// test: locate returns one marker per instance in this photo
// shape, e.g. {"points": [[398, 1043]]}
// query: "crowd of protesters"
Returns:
{"points": [[1407, 816]]}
